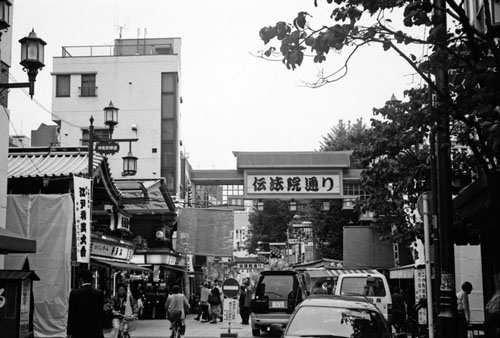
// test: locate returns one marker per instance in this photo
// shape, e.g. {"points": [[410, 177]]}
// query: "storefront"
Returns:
{"points": [[110, 263], [168, 269]]}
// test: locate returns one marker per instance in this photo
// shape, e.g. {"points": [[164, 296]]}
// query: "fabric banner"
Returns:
{"points": [[48, 219], [83, 218], [205, 232]]}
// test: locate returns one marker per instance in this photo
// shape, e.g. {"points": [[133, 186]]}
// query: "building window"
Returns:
{"points": [[62, 85], [88, 87], [154, 150]]}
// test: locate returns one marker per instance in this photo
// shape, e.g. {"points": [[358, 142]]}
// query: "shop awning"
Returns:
{"points": [[120, 265], [402, 272], [328, 273], [11, 242]]}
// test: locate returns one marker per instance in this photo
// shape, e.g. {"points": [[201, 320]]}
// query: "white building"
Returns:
{"points": [[142, 78]]}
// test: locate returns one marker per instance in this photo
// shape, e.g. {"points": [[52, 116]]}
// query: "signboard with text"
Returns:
{"points": [[111, 250], [420, 284], [231, 310], [83, 219], [305, 184]]}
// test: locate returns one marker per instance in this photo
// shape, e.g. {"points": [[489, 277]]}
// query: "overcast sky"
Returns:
{"points": [[232, 101]]}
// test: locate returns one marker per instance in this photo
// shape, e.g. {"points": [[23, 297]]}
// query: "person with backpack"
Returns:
{"points": [[214, 301]]}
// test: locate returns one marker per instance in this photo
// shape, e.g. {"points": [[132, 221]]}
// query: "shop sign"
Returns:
{"points": [[110, 250], [161, 259], [231, 310], [83, 219], [420, 285], [24, 314], [293, 184]]}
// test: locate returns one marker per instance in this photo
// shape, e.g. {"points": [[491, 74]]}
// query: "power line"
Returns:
{"points": [[35, 101]]}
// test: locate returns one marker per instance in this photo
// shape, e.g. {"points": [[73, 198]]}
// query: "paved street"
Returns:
{"points": [[160, 328]]}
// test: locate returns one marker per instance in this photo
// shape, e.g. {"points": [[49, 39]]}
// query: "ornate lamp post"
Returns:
{"points": [[110, 146], [32, 53]]}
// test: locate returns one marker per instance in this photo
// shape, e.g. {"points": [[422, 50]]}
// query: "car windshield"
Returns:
{"points": [[276, 286], [322, 321], [368, 286]]}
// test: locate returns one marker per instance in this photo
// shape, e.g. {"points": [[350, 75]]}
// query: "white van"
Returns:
{"points": [[374, 286]]}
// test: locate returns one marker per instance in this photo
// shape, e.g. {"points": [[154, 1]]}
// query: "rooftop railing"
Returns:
{"points": [[120, 49]]}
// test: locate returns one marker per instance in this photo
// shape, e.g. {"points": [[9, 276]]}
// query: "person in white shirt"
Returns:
{"points": [[463, 309]]}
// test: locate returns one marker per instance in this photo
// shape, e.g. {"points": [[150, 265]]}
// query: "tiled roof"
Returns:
{"points": [[155, 201], [306, 159], [30, 164]]}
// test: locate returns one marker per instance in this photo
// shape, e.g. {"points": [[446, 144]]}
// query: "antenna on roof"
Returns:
{"points": [[121, 27]]}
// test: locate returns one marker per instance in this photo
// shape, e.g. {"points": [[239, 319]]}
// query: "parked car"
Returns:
{"points": [[336, 317], [276, 295], [374, 286]]}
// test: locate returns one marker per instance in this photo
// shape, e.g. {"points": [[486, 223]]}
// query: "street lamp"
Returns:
{"points": [[129, 163], [325, 206], [32, 55], [111, 117], [110, 146], [293, 205], [260, 205], [4, 15]]}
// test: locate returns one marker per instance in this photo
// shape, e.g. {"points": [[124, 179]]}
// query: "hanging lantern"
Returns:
{"points": [[4, 15], [111, 116], [260, 205], [129, 165]]}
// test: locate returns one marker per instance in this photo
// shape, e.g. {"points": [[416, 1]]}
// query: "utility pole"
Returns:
{"points": [[447, 299]]}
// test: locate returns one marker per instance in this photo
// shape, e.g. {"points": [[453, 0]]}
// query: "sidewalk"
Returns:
{"points": [[156, 328]]}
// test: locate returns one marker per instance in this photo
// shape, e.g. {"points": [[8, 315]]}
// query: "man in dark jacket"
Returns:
{"points": [[85, 310]]}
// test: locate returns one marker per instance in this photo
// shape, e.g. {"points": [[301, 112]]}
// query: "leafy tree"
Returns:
{"points": [[470, 96], [395, 157], [328, 227], [270, 224]]}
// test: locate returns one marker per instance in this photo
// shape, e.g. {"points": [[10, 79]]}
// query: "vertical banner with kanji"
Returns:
{"points": [[82, 218]]}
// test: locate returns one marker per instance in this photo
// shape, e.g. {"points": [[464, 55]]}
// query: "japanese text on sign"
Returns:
{"points": [[83, 219], [231, 310], [112, 251], [293, 184], [420, 284]]}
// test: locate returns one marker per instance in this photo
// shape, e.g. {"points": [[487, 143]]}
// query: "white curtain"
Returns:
{"points": [[48, 219]]}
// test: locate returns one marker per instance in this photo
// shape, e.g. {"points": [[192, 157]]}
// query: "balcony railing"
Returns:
{"points": [[120, 49]]}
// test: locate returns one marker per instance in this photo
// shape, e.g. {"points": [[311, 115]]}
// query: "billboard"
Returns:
{"points": [[205, 232]]}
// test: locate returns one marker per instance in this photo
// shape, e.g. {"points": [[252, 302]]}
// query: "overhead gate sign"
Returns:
{"points": [[305, 184]]}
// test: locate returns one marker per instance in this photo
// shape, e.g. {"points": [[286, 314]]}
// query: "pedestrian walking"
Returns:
{"points": [[241, 303], [398, 309], [463, 309], [85, 311], [204, 311], [214, 301], [218, 285], [247, 304], [177, 306]]}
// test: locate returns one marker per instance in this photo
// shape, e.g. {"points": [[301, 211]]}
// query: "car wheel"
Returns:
{"points": [[256, 332]]}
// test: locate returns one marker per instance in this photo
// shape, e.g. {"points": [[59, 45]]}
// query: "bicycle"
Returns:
{"points": [[125, 324], [176, 328]]}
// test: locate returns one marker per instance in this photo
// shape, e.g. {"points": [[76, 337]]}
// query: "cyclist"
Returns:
{"points": [[176, 306], [124, 305]]}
